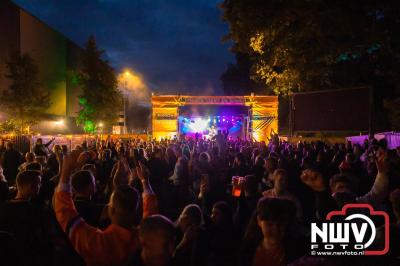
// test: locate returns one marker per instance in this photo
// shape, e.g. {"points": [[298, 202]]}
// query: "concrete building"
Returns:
{"points": [[55, 55]]}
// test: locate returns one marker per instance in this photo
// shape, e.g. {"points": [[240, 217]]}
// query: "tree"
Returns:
{"points": [[295, 45], [26, 101], [306, 45], [9, 126], [100, 100], [236, 79]]}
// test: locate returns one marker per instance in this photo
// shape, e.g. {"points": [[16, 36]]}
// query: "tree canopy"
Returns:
{"points": [[236, 79], [299, 45], [25, 100], [306, 45], [100, 100]]}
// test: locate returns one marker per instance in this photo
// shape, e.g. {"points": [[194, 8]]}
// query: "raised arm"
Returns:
{"points": [[64, 205], [49, 143], [380, 189], [150, 204], [324, 202], [84, 238]]}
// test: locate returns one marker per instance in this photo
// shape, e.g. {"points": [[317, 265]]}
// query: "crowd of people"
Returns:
{"points": [[188, 202]]}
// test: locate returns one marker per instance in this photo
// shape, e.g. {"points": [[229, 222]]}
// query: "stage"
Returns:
{"points": [[246, 117]]}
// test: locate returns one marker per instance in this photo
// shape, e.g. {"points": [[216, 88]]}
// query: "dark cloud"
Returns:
{"points": [[176, 45]]}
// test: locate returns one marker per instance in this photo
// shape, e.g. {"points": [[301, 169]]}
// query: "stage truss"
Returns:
{"points": [[262, 114]]}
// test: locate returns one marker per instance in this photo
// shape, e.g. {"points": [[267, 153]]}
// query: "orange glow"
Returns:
{"points": [[236, 189], [133, 82], [60, 122]]}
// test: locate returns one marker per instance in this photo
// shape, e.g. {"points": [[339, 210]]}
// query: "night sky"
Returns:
{"points": [[174, 44]]}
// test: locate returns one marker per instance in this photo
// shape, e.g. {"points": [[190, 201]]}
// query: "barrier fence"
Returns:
{"points": [[24, 143]]}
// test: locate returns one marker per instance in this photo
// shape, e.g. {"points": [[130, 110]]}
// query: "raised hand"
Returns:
{"points": [[381, 161], [313, 179], [132, 176], [69, 164], [142, 172], [204, 188], [121, 175]]}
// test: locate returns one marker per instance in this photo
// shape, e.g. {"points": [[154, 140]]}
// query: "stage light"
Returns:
{"points": [[258, 135], [60, 122], [223, 119], [198, 125]]}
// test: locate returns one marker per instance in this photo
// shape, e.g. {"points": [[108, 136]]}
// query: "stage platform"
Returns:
{"points": [[246, 117]]}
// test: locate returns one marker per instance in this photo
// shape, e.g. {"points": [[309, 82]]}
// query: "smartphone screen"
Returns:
{"points": [[236, 189]]}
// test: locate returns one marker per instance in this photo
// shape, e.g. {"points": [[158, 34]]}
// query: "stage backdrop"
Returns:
{"points": [[333, 110]]}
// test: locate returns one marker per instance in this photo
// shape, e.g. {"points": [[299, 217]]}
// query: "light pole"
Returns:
{"points": [[125, 89], [100, 126]]}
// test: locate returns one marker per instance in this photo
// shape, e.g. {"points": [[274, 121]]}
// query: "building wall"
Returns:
{"points": [[9, 37], [74, 53], [56, 56], [48, 48]]}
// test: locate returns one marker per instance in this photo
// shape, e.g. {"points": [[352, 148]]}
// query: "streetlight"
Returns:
{"points": [[60, 122], [130, 82], [127, 75], [100, 125]]}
